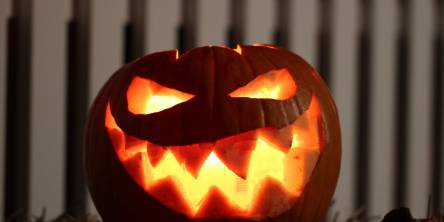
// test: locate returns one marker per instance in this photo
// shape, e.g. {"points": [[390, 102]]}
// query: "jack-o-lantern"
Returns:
{"points": [[216, 134]]}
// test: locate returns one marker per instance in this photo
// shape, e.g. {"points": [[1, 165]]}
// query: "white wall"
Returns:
{"points": [[163, 22], [213, 29]]}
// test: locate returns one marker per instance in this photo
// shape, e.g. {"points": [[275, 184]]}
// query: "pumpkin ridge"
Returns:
{"points": [[263, 121], [277, 67], [287, 121]]}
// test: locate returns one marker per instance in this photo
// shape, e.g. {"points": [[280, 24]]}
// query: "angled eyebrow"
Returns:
{"points": [[274, 84]]}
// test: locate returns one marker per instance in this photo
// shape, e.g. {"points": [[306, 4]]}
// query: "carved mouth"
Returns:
{"points": [[255, 174]]}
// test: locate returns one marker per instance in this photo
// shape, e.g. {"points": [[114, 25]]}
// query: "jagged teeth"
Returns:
{"points": [[192, 156], [233, 151]]}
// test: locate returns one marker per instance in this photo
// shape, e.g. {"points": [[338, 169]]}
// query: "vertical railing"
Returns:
{"points": [[135, 30], [76, 106], [363, 100], [402, 106], [283, 23], [437, 144], [188, 28], [18, 111], [236, 28], [324, 39]]}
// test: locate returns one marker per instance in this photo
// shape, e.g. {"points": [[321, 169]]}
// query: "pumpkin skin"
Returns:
{"points": [[211, 73]]}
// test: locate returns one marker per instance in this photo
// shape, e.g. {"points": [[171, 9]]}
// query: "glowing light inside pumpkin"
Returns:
{"points": [[214, 173], [275, 84], [146, 96], [292, 168], [265, 45], [238, 49]]}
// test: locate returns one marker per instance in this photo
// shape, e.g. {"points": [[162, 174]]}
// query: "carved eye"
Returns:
{"points": [[275, 84], [146, 96]]}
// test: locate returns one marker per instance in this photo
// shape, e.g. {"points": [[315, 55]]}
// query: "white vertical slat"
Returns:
{"points": [[163, 23], [107, 29], [383, 98], [5, 10], [303, 32], [259, 21], [48, 106], [213, 22], [147, 26], [384, 68], [344, 77], [420, 106], [108, 20]]}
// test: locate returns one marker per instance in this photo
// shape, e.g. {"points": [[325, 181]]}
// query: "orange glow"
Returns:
{"points": [[275, 84], [265, 45], [238, 49], [146, 96], [268, 163]]}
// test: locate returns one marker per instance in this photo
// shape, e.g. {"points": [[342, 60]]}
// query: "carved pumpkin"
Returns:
{"points": [[214, 134]]}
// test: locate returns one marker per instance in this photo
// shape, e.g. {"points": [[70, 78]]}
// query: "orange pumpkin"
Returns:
{"points": [[216, 134]]}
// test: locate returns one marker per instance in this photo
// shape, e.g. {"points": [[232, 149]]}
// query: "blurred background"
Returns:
{"points": [[383, 60]]}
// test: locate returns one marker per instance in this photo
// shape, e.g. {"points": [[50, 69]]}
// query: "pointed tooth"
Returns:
{"points": [[216, 205], [155, 153], [236, 155], [134, 145], [302, 122], [308, 132], [302, 160], [117, 139], [168, 193], [192, 156], [135, 166], [271, 199], [279, 138]]}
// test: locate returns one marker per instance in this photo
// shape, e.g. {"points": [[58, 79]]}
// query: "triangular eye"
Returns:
{"points": [[275, 84], [146, 96]]}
